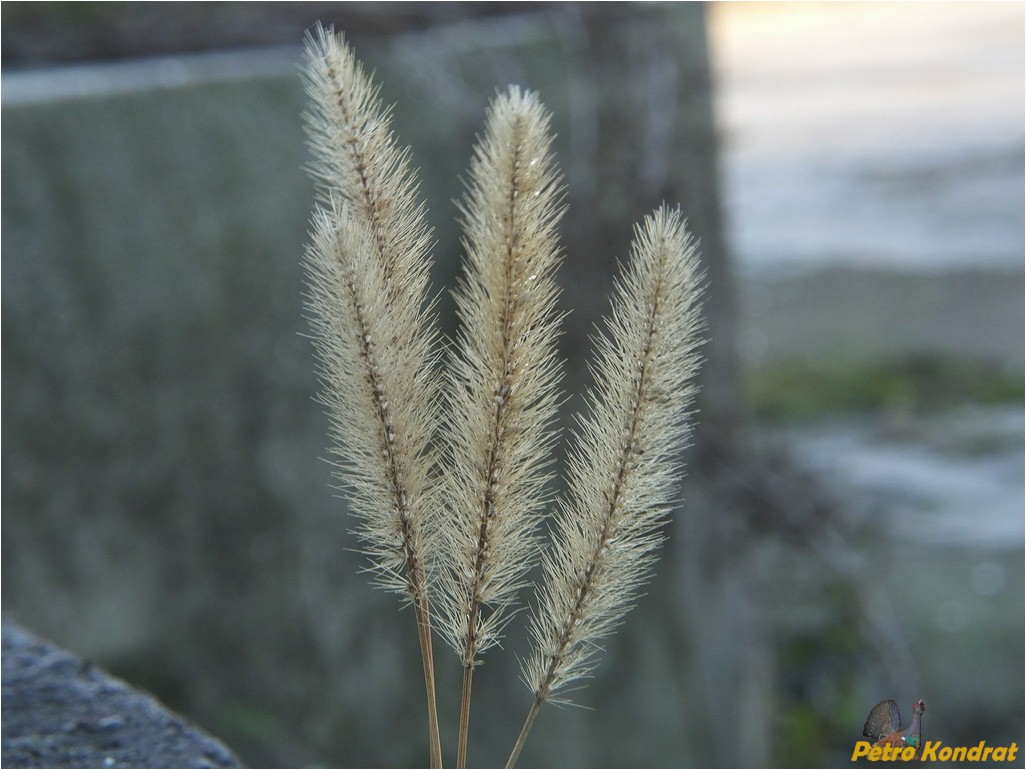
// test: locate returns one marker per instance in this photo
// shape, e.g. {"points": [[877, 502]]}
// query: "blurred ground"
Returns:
{"points": [[873, 162], [873, 184]]}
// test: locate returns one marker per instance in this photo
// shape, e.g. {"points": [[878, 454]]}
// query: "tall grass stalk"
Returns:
{"points": [[625, 463], [368, 272], [501, 391]]}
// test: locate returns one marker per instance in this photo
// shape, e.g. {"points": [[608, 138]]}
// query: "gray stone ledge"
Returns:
{"points": [[60, 711]]}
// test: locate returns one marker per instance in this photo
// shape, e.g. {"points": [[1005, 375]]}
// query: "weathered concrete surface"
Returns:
{"points": [[61, 711]]}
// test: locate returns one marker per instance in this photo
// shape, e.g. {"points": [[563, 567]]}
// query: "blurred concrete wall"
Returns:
{"points": [[165, 512]]}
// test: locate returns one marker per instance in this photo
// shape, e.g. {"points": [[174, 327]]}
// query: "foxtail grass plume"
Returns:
{"points": [[448, 510], [368, 271], [502, 390], [624, 467]]}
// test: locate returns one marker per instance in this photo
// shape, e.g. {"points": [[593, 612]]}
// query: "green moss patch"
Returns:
{"points": [[806, 389]]}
